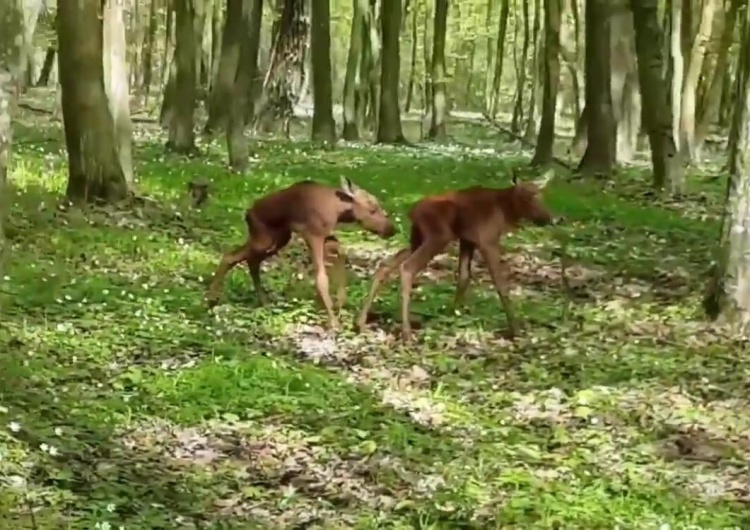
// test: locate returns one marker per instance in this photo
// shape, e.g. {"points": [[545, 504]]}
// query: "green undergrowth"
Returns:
{"points": [[125, 403]]}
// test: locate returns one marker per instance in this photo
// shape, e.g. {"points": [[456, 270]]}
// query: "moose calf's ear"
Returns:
{"points": [[347, 186]]}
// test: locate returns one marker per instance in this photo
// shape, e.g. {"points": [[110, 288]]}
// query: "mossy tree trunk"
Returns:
{"points": [[323, 126], [182, 125]]}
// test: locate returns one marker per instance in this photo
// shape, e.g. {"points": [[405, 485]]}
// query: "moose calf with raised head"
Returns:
{"points": [[313, 211], [477, 217]]}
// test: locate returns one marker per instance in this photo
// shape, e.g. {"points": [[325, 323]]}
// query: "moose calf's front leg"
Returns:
{"points": [[317, 254], [491, 257]]}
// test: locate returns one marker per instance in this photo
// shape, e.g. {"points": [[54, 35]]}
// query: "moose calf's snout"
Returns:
{"points": [[389, 231]]}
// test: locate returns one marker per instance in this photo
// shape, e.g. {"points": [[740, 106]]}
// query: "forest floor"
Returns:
{"points": [[125, 403]]}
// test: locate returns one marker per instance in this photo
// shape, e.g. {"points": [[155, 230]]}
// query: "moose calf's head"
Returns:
{"points": [[364, 208], [528, 201]]}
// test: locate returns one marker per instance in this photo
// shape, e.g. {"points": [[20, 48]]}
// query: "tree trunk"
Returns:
{"points": [[47, 65], [708, 112], [181, 127], [353, 76], [692, 76], [31, 10], [412, 60], [11, 32], [625, 94], [220, 98], [499, 56], [148, 51], [600, 149], [657, 111], [537, 74], [676, 68], [437, 125], [323, 126], [515, 124], [116, 84], [250, 10], [488, 55], [389, 117], [217, 40], [95, 172], [728, 293], [543, 153]]}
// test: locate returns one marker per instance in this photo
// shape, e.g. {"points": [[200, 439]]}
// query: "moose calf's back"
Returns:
{"points": [[298, 204]]}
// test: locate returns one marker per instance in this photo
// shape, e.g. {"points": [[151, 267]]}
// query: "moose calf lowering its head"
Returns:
{"points": [[477, 217], [313, 211]]}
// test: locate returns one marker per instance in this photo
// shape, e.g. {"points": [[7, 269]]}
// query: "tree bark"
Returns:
{"points": [[625, 93], [47, 65], [323, 126], [515, 123], [412, 60], [95, 172], [148, 51], [438, 104], [389, 115], [543, 153], [182, 125]]}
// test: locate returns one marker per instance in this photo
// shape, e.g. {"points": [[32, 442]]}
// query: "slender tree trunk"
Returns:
{"points": [[413, 60], [545, 141], [95, 172], [148, 50], [437, 126], [389, 117], [537, 74], [515, 124], [47, 65], [499, 56], [353, 77], [488, 52], [323, 126]]}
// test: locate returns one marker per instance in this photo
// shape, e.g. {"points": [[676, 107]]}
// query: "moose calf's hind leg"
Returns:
{"points": [[492, 258], [415, 263], [386, 268]]}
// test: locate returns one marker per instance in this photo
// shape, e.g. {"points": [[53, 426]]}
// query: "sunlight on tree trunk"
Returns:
{"points": [[182, 125], [728, 293], [438, 104], [676, 67], [116, 84], [323, 126], [353, 76], [94, 167], [545, 141], [601, 128], [389, 117]]}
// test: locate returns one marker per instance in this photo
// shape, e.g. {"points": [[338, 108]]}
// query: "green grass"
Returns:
{"points": [[124, 401]]}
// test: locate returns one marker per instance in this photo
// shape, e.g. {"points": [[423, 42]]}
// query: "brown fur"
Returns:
{"points": [[313, 211], [198, 191], [477, 217]]}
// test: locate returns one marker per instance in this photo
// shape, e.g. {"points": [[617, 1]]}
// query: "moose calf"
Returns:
{"points": [[313, 211], [477, 217]]}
